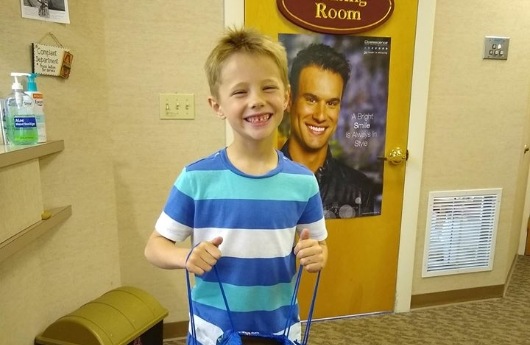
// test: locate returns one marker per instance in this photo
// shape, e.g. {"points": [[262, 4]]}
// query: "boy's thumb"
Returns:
{"points": [[217, 241], [304, 235]]}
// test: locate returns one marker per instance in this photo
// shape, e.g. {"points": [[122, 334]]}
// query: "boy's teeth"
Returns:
{"points": [[260, 118]]}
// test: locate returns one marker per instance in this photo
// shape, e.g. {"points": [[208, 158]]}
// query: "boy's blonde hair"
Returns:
{"points": [[243, 40]]}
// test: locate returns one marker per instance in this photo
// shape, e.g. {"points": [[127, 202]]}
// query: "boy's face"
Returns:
{"points": [[251, 97], [315, 108]]}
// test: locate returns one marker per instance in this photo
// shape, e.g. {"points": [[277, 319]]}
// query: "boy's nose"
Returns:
{"points": [[256, 101]]}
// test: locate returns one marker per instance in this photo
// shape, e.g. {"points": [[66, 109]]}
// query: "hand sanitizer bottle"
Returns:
{"points": [[38, 106], [20, 120]]}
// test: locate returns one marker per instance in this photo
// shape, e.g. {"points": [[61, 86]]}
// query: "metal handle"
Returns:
{"points": [[396, 156]]}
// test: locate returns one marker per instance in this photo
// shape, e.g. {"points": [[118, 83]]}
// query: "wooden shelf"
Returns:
{"points": [[23, 238], [10, 155]]}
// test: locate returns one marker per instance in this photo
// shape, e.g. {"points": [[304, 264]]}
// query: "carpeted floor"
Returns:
{"points": [[504, 321]]}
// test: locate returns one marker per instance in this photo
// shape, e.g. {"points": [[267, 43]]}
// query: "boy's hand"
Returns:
{"points": [[311, 253], [203, 256]]}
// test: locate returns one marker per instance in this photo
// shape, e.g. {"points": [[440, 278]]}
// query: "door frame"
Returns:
{"points": [[234, 16]]}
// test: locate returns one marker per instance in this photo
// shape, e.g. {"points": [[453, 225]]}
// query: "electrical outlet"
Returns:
{"points": [[177, 106]]}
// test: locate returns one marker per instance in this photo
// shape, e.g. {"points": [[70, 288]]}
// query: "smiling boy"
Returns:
{"points": [[244, 205]]}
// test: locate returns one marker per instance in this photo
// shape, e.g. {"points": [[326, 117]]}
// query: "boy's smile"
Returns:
{"points": [[256, 119]]}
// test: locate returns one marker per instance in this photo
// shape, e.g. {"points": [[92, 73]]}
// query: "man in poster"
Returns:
{"points": [[318, 77]]}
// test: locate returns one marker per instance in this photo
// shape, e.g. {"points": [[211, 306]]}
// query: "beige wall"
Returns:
{"points": [[120, 159], [79, 260], [151, 52], [476, 118]]}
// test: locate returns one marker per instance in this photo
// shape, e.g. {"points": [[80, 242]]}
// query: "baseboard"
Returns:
{"points": [[175, 329], [527, 247], [456, 296], [509, 277]]}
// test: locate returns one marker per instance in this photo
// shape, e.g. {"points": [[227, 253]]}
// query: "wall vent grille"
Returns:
{"points": [[461, 231]]}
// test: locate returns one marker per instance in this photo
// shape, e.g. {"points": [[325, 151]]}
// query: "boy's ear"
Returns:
{"points": [[216, 107]]}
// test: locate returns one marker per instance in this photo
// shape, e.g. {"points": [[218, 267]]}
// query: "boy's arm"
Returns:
{"points": [[163, 253]]}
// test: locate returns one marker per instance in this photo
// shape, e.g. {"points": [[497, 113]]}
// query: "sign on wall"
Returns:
{"points": [[51, 60], [336, 16]]}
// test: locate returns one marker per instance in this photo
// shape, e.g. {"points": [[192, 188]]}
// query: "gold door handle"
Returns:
{"points": [[396, 156]]}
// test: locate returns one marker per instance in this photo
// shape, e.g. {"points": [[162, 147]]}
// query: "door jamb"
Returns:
{"points": [[416, 139]]}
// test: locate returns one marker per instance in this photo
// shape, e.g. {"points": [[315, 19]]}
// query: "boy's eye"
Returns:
{"points": [[270, 87], [239, 92]]}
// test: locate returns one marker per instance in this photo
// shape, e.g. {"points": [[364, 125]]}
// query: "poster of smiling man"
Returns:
{"points": [[335, 123]]}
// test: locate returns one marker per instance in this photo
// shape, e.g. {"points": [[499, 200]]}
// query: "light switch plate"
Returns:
{"points": [[496, 48], [177, 106]]}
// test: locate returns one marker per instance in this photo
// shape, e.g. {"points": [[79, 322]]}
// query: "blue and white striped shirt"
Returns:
{"points": [[257, 217]]}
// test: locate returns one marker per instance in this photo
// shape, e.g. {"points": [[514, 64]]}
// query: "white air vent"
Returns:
{"points": [[461, 231]]}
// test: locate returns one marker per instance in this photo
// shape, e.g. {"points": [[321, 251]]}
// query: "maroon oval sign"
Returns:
{"points": [[337, 16]]}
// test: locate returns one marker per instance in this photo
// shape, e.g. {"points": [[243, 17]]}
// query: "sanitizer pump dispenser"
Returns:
{"points": [[21, 125]]}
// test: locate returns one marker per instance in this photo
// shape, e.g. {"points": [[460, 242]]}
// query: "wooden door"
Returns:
{"points": [[363, 252]]}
